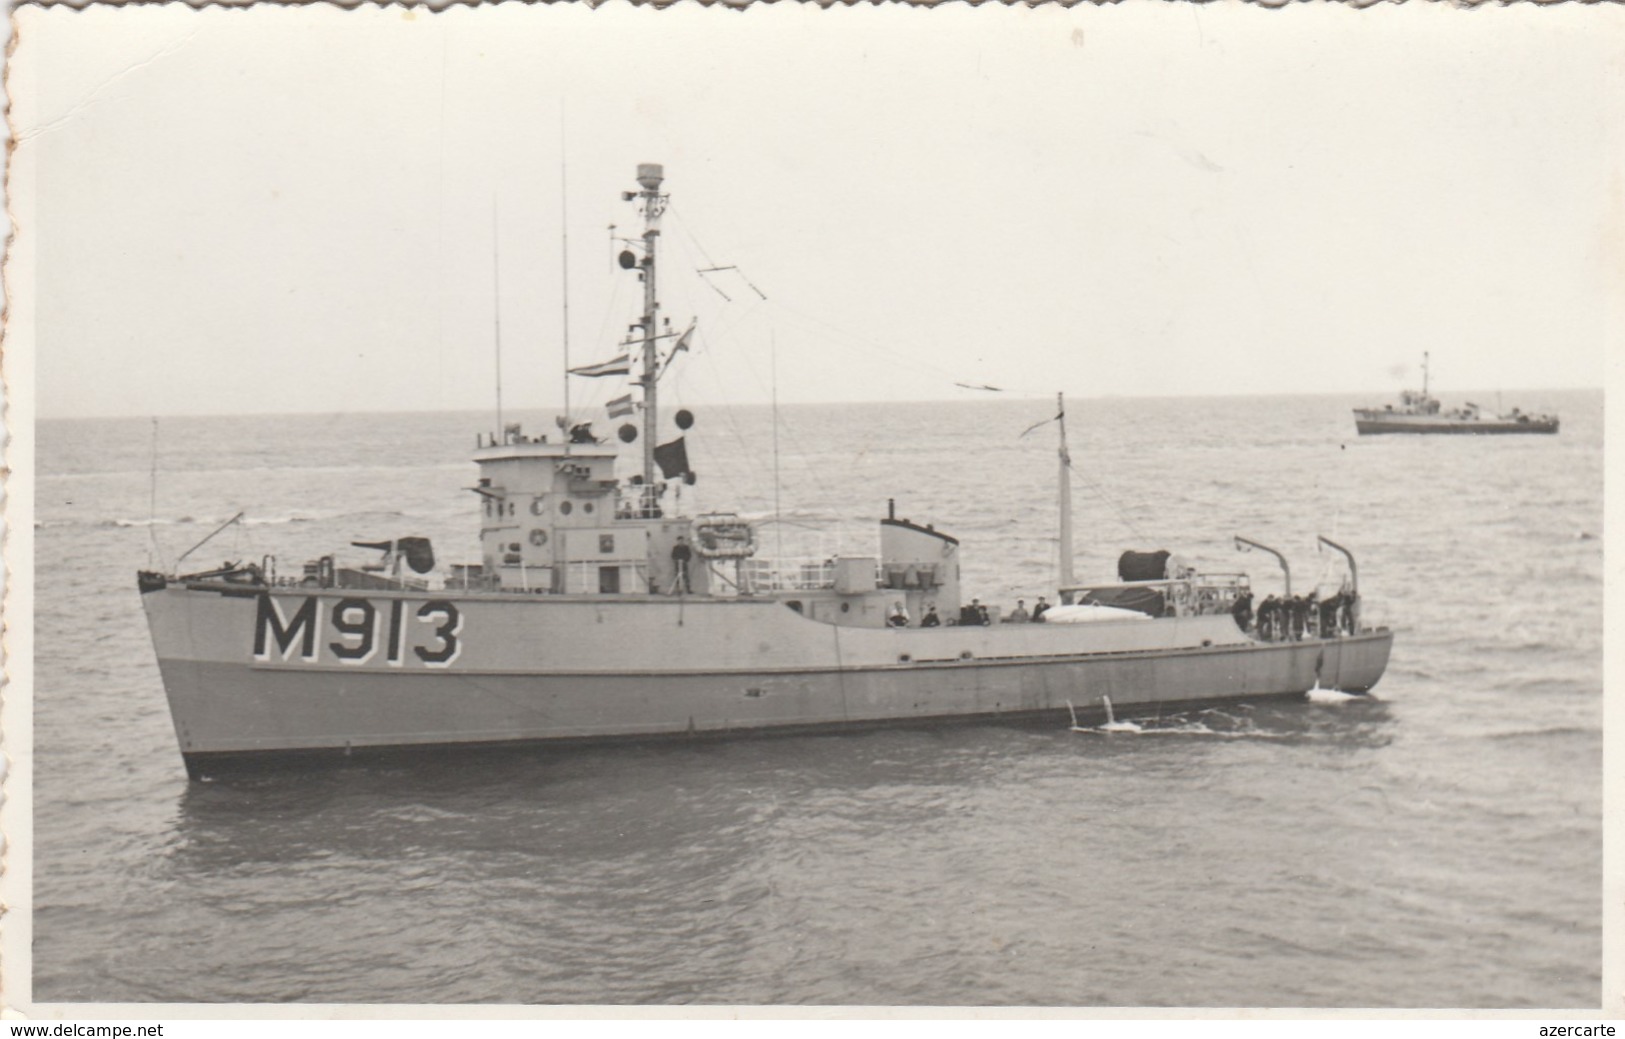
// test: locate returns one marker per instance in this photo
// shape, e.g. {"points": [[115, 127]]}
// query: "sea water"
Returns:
{"points": [[1435, 845]]}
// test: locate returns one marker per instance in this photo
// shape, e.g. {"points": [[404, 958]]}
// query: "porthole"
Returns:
{"points": [[846, 607], [565, 507], [586, 506], [536, 506]]}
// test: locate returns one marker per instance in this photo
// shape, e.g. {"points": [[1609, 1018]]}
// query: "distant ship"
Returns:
{"points": [[600, 611], [1420, 413]]}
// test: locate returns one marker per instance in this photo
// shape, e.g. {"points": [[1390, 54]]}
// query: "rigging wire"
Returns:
{"points": [[1099, 492], [155, 553], [865, 348]]}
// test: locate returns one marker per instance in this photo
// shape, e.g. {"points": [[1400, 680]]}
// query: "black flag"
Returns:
{"points": [[672, 458]]}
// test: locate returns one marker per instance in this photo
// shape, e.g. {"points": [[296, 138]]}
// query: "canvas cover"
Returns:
{"points": [[1148, 601], [1142, 566]]}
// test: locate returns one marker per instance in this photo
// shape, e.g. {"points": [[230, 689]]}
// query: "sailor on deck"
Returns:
{"points": [[1019, 615], [930, 620], [1039, 609], [898, 617], [973, 614], [1242, 611], [680, 555]]}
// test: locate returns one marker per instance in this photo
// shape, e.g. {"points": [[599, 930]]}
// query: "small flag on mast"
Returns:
{"points": [[1058, 417], [621, 365], [621, 406]]}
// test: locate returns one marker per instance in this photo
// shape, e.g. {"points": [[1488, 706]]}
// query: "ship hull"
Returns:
{"points": [[243, 689], [1422, 424]]}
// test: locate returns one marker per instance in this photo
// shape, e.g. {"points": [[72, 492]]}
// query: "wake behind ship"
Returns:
{"points": [[600, 610]]}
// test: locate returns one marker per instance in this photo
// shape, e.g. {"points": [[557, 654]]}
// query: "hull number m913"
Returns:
{"points": [[421, 634]]}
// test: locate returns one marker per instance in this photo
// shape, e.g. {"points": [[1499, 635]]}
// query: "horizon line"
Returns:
{"points": [[988, 397]]}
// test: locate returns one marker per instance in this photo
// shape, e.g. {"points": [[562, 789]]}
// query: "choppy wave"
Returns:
{"points": [[250, 520], [1186, 728], [178, 521], [1556, 732]]}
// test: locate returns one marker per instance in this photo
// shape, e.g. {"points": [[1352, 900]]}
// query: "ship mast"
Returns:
{"points": [[1066, 498], [1424, 373], [650, 175]]}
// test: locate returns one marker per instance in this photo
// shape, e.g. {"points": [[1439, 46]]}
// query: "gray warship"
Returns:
{"points": [[599, 611]]}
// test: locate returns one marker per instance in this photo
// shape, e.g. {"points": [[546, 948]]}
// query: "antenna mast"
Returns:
{"points": [[1424, 373], [152, 499], [496, 312], [778, 516], [564, 248], [650, 176], [1066, 498]]}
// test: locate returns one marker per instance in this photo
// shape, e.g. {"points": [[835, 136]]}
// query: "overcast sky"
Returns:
{"points": [[291, 208]]}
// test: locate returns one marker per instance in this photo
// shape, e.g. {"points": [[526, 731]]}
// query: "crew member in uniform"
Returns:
{"points": [[1039, 609], [931, 620], [898, 617], [1242, 611], [680, 555], [1019, 615], [1269, 618]]}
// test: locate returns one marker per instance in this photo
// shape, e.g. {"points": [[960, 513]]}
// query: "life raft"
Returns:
{"points": [[724, 537]]}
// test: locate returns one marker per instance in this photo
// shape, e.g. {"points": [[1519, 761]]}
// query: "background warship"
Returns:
{"points": [[1420, 413]]}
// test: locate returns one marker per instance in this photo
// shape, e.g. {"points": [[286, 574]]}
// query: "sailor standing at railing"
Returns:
{"points": [[680, 555], [1269, 618], [1242, 611], [898, 617]]}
